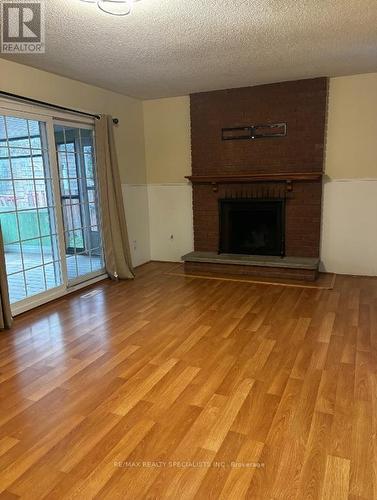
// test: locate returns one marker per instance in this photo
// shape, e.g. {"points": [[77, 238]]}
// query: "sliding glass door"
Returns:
{"points": [[79, 200], [27, 208], [49, 210]]}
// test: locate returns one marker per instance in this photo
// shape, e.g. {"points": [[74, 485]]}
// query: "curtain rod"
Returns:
{"points": [[54, 106]]}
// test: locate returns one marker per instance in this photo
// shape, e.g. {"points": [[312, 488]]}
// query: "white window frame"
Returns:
{"points": [[49, 117], [94, 274]]}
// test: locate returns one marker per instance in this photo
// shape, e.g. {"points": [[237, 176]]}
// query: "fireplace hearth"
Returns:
{"points": [[257, 203], [252, 226]]}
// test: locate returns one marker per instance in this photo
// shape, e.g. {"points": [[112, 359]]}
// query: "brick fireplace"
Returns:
{"points": [[252, 226], [245, 169]]}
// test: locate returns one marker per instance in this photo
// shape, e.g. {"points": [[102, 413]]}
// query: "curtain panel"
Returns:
{"points": [[5, 311], [114, 227]]}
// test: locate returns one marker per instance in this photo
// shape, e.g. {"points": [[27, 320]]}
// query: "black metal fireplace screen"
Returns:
{"points": [[252, 226]]}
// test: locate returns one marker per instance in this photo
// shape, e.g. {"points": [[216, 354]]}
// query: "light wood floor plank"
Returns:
{"points": [[123, 393], [336, 481]]}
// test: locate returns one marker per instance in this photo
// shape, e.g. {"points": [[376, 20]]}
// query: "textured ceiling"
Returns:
{"points": [[176, 47]]}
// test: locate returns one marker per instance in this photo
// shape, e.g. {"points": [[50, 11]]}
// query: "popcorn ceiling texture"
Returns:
{"points": [[174, 47]]}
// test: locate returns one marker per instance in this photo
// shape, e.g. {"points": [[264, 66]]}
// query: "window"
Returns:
{"points": [[49, 211], [27, 209], [79, 198]]}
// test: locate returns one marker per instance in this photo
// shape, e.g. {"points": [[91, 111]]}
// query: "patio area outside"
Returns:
{"points": [[41, 275]]}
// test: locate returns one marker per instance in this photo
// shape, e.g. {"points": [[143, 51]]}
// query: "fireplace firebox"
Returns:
{"points": [[252, 226]]}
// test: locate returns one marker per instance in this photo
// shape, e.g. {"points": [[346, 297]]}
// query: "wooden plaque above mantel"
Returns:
{"points": [[288, 178]]}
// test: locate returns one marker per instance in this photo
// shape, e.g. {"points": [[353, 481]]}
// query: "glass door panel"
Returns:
{"points": [[79, 199], [27, 208]]}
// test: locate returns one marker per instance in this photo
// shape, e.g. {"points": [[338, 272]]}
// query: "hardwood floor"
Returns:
{"points": [[175, 387]]}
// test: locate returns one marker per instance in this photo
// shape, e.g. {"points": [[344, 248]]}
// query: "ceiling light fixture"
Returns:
{"points": [[114, 7]]}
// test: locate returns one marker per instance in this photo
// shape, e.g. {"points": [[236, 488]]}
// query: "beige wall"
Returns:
{"points": [[167, 139], [351, 150], [165, 157], [129, 134], [160, 213], [350, 190], [352, 127]]}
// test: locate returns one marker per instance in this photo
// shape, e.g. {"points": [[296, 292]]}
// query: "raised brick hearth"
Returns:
{"points": [[271, 267], [296, 160]]}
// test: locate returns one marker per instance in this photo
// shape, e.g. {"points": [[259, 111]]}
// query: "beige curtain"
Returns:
{"points": [[114, 228], [5, 312]]}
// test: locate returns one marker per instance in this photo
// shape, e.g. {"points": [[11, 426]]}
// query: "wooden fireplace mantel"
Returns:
{"points": [[288, 178]]}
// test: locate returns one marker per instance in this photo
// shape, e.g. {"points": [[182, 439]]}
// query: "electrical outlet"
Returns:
{"points": [[135, 244]]}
